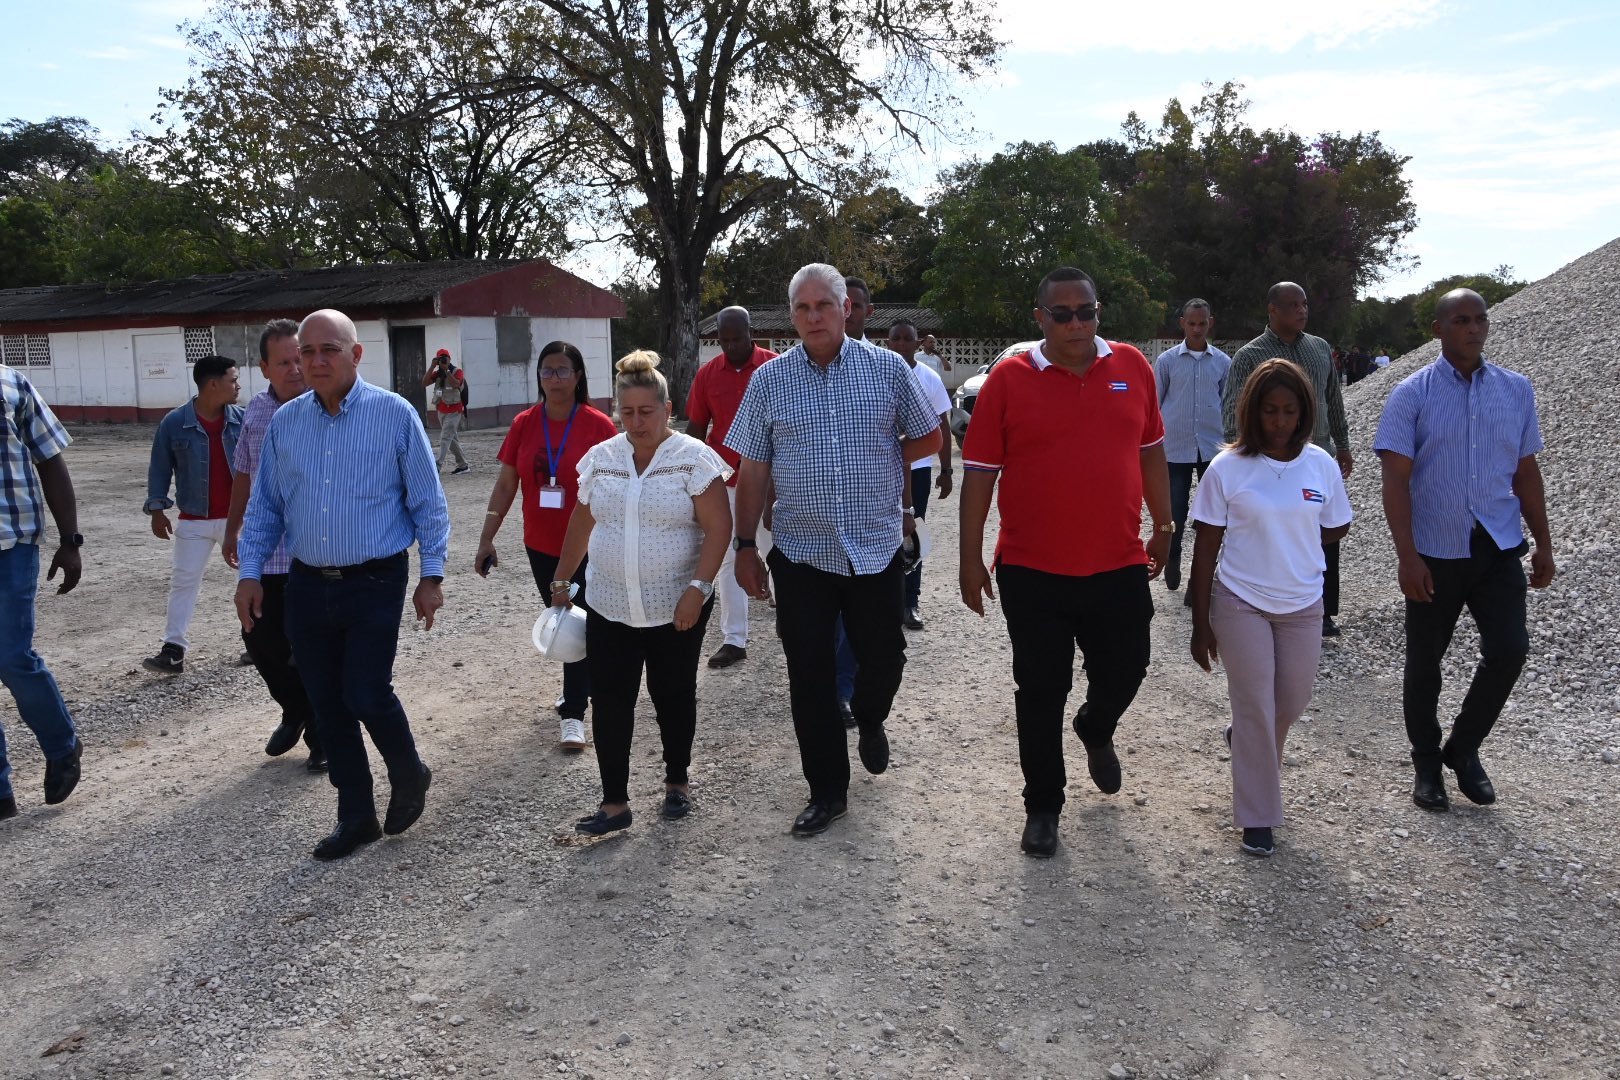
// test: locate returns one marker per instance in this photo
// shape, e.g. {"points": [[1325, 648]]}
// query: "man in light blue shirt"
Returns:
{"points": [[347, 475], [1191, 377], [1457, 443]]}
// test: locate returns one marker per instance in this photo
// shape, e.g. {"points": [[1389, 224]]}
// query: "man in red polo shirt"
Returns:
{"points": [[717, 390], [1073, 431]]}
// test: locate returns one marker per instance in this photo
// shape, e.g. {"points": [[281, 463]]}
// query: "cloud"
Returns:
{"points": [[113, 52], [1550, 28], [46, 66], [164, 41], [1186, 26]]}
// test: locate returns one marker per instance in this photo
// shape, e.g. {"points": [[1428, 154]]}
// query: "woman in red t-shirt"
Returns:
{"points": [[540, 458]]}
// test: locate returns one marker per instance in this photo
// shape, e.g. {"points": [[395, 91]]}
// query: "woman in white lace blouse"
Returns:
{"points": [[654, 518]]}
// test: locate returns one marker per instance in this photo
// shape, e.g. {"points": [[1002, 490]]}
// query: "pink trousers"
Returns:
{"points": [[1270, 663]]}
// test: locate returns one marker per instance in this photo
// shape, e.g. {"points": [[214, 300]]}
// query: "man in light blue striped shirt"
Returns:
{"points": [[1191, 377], [347, 475], [1457, 443]]}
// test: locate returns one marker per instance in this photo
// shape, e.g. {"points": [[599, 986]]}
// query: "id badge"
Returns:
{"points": [[551, 497]]}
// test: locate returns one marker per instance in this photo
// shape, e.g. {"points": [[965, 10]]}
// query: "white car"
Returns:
{"points": [[968, 392]]}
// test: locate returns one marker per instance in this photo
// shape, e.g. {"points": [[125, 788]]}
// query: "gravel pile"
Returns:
{"points": [[1561, 333]]}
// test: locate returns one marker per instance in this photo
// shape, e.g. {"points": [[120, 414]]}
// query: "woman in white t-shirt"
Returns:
{"points": [[1265, 508], [654, 518]]}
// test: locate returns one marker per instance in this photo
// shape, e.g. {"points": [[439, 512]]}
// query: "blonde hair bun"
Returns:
{"points": [[640, 369], [642, 360]]}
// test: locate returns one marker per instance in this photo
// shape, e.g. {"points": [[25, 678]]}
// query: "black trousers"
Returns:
{"points": [[1107, 616], [1491, 584], [922, 481], [617, 654], [345, 634], [576, 688], [1330, 580], [808, 603], [1181, 479], [272, 655]]}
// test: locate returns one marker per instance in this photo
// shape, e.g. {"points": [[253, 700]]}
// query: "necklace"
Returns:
{"points": [[1278, 473]]}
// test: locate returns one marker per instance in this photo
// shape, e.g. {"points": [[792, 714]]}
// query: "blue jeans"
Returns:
{"points": [[344, 635], [922, 481], [39, 702]]}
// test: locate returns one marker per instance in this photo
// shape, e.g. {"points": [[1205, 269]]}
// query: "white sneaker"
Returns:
{"points": [[573, 734]]}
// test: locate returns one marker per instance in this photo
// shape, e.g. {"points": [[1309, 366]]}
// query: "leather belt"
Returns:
{"points": [[338, 573]]}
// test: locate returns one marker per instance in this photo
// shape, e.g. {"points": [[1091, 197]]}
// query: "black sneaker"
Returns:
{"points": [[8, 807], [1329, 627], [170, 660], [459, 469], [1258, 842]]}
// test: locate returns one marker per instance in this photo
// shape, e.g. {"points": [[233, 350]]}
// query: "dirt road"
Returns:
{"points": [[168, 919]]}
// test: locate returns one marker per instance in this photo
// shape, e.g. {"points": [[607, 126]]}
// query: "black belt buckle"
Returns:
{"points": [[331, 573]]}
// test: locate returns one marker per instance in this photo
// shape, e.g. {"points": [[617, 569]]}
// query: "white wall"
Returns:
{"points": [[594, 339]]}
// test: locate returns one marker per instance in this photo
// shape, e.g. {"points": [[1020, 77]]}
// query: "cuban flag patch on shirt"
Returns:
{"points": [[1312, 495], [1118, 386]]}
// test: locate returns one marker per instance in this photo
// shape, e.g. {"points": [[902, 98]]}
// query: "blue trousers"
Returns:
{"points": [[39, 702], [344, 634]]}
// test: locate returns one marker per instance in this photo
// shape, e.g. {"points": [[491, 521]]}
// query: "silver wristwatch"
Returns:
{"points": [[704, 587]]}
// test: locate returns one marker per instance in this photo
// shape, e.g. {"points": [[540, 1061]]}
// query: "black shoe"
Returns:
{"points": [[1186, 599], [913, 619], [1172, 581], [1258, 842], [677, 804], [459, 469], [1329, 627], [8, 807], [245, 660], [817, 816], [316, 762], [284, 738], [847, 713], [726, 655], [62, 775], [599, 824], [1040, 835], [405, 804], [1429, 791], [1103, 764], [1471, 778], [346, 837], [170, 660], [874, 748], [1227, 735]]}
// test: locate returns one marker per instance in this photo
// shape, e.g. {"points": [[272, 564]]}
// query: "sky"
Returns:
{"points": [[1510, 112]]}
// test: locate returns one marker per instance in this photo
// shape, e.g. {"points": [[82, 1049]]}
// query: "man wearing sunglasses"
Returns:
{"points": [[1072, 431], [1286, 313]]}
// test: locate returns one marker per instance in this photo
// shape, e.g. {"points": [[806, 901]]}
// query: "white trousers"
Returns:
{"points": [[733, 601], [194, 543], [450, 437]]}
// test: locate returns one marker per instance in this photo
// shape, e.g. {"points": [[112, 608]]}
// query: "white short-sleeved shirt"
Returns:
{"points": [[1273, 512], [938, 398], [644, 548]]}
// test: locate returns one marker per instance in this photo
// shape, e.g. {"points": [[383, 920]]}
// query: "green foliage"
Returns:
{"points": [[1006, 222], [1404, 323]]}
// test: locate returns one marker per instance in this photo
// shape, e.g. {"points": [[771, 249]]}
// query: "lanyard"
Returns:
{"points": [[554, 460]]}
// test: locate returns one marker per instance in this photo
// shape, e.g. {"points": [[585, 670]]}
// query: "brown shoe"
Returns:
{"points": [[727, 655]]}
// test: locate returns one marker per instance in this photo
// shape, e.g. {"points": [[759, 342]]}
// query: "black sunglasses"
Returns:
{"points": [[1063, 314]]}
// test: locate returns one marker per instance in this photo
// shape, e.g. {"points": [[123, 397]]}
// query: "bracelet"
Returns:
{"points": [[555, 585], [492, 513]]}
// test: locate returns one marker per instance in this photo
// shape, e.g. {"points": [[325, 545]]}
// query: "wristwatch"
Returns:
{"points": [[73, 540], [704, 587], [1167, 527], [744, 542]]}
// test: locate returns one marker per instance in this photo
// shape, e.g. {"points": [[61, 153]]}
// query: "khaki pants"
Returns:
{"points": [[450, 437]]}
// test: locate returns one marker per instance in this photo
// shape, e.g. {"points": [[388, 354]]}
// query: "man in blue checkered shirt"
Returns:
{"points": [[833, 423], [34, 476]]}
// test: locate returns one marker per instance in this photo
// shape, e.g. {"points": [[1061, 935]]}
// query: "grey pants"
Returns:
{"points": [[450, 437]]}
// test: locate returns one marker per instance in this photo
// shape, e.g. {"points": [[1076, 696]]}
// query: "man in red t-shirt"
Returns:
{"points": [[711, 405], [1073, 432], [193, 448], [449, 385]]}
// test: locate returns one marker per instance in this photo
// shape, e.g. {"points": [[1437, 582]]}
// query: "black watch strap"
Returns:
{"points": [[73, 540], [744, 542]]}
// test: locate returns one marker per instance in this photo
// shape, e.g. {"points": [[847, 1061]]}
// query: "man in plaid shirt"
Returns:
{"points": [[820, 423], [33, 476]]}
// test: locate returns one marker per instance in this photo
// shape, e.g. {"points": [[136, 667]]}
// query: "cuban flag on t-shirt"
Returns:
{"points": [[1117, 386], [1312, 495]]}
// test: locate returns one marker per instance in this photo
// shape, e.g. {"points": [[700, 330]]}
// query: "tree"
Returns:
{"points": [[320, 128], [1229, 211], [1006, 222]]}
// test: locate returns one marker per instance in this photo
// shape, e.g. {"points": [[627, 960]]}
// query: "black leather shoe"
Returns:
{"points": [[8, 807], [817, 816], [1040, 835], [874, 748], [405, 804], [1103, 764], [316, 762], [1471, 778], [599, 824], [284, 738], [1329, 627], [1172, 581], [1258, 842], [1429, 791], [726, 655], [847, 713], [346, 837], [62, 775], [913, 619], [677, 804]]}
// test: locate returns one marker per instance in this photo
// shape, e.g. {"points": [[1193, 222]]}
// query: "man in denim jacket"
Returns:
{"points": [[193, 447]]}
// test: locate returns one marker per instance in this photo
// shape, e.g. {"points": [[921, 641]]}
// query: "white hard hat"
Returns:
{"points": [[559, 634], [914, 548]]}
